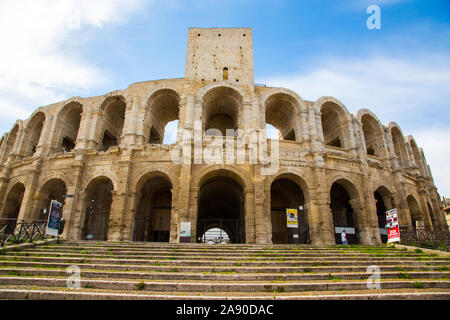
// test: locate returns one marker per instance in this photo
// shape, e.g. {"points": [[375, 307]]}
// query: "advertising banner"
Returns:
{"points": [[393, 235], [292, 218], [54, 216], [392, 226]]}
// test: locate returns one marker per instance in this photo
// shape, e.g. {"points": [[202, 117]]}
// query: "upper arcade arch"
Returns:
{"points": [[335, 121], [68, 121], [416, 155], [398, 142], [32, 134], [281, 111], [113, 111], [373, 132], [163, 106], [222, 109]]}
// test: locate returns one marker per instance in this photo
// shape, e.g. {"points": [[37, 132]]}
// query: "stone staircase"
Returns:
{"points": [[191, 271]]}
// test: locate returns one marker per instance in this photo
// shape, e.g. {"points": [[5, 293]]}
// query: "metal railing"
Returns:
{"points": [[424, 236], [21, 231]]}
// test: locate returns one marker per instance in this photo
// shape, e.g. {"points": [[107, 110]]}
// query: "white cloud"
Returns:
{"points": [[437, 151], [402, 89], [35, 66], [388, 86]]}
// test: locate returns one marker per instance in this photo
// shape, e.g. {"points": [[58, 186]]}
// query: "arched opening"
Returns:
{"points": [[372, 136], [97, 203], [33, 134], [433, 216], [280, 113], [415, 212], [417, 157], [399, 147], [10, 141], [69, 122], [221, 110], [383, 204], [113, 120], [12, 206], [54, 189], [221, 204], [333, 125], [344, 216], [286, 194], [215, 235], [164, 107], [153, 211]]}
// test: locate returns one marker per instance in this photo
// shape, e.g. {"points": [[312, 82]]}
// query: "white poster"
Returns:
{"points": [[185, 229]]}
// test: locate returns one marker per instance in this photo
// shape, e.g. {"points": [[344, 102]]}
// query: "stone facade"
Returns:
{"points": [[340, 169]]}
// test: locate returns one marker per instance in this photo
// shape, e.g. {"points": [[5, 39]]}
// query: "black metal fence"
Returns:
{"points": [[21, 231], [426, 237]]}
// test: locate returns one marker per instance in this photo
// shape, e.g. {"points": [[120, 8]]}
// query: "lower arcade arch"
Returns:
{"points": [[12, 206], [153, 211], [221, 205], [286, 194], [343, 198], [415, 212], [383, 204], [54, 189], [97, 203]]}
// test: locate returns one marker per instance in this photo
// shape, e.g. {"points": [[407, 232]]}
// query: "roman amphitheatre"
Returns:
{"points": [[104, 158]]}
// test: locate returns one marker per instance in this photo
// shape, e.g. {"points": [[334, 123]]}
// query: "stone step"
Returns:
{"points": [[226, 276], [212, 269], [218, 263], [42, 252], [221, 248], [90, 294], [223, 287], [231, 259]]}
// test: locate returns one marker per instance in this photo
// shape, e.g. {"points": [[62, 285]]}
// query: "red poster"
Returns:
{"points": [[393, 234]]}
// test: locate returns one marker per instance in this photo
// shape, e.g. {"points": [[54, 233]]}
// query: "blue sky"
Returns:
{"points": [[53, 50]]}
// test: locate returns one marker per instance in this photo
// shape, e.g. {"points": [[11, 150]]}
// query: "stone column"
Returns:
{"points": [[263, 223], [4, 180], [174, 215], [30, 188], [250, 219], [94, 136], [71, 209], [326, 225], [83, 131], [45, 139], [193, 212], [119, 212], [314, 217]]}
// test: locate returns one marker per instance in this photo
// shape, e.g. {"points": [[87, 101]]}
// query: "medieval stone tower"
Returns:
{"points": [[107, 153]]}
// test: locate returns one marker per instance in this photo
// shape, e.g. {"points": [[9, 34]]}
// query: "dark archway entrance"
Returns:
{"points": [[98, 205], [54, 189], [12, 206], [286, 194], [343, 214], [152, 220], [221, 205], [383, 204], [415, 212]]}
